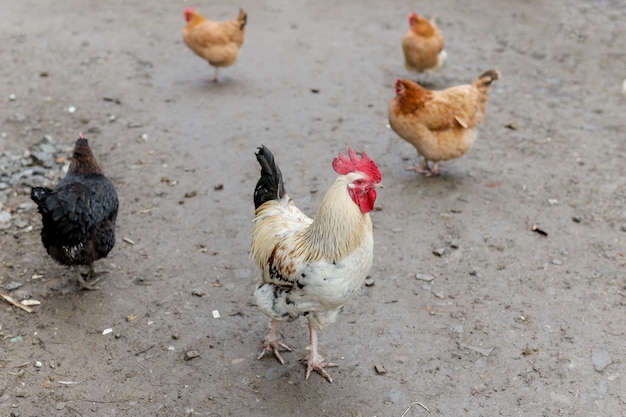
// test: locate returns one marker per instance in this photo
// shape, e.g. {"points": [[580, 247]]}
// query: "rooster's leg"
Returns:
{"points": [[272, 344], [421, 168], [84, 285], [315, 361]]}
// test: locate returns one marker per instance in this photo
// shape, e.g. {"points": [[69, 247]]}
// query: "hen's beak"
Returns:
{"points": [[379, 185]]}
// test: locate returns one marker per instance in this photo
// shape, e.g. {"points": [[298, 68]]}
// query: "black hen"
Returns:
{"points": [[79, 214]]}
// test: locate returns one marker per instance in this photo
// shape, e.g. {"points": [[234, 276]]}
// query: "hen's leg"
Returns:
{"points": [[434, 170], [214, 79], [315, 361], [422, 168], [425, 82], [272, 344], [84, 285]]}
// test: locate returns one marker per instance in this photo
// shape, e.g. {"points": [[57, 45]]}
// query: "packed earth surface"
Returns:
{"points": [[498, 288]]}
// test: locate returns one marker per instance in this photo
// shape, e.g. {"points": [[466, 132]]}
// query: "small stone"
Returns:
{"points": [[556, 262], [13, 285], [38, 364], [191, 354], [439, 251], [577, 219], [20, 224], [5, 216], [439, 295], [512, 125], [424, 277], [60, 406], [218, 187], [454, 244], [600, 359], [380, 370], [198, 293], [175, 336], [369, 281]]}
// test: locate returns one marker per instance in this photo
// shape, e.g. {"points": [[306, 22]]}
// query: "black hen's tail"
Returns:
{"points": [[270, 186], [39, 195]]}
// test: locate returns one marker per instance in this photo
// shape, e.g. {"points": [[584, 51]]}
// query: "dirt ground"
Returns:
{"points": [[505, 322]]}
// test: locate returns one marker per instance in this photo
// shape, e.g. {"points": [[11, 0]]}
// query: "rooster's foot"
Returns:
{"points": [[316, 363], [272, 346]]}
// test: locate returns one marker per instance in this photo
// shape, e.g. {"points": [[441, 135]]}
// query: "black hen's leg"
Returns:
{"points": [[84, 285]]}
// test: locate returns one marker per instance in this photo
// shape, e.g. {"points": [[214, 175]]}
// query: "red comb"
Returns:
{"points": [[80, 135], [344, 165]]}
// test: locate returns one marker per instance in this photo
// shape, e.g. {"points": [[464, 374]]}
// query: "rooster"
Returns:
{"points": [[79, 214], [422, 45], [217, 42], [440, 124], [312, 267]]}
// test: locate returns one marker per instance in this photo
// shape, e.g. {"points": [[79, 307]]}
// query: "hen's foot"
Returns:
{"points": [[272, 346], [422, 168], [425, 83], [214, 79], [83, 284], [316, 363]]}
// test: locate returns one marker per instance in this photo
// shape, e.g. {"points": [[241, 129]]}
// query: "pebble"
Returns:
{"points": [[556, 262], [424, 277], [369, 281], [380, 370], [600, 359], [13, 285], [191, 354], [34, 167], [5, 216], [439, 251], [38, 364]]}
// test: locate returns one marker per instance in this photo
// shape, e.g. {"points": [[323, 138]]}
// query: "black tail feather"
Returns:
{"points": [[39, 194], [270, 186]]}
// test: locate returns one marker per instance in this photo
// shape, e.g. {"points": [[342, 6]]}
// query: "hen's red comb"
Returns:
{"points": [[344, 165]]}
